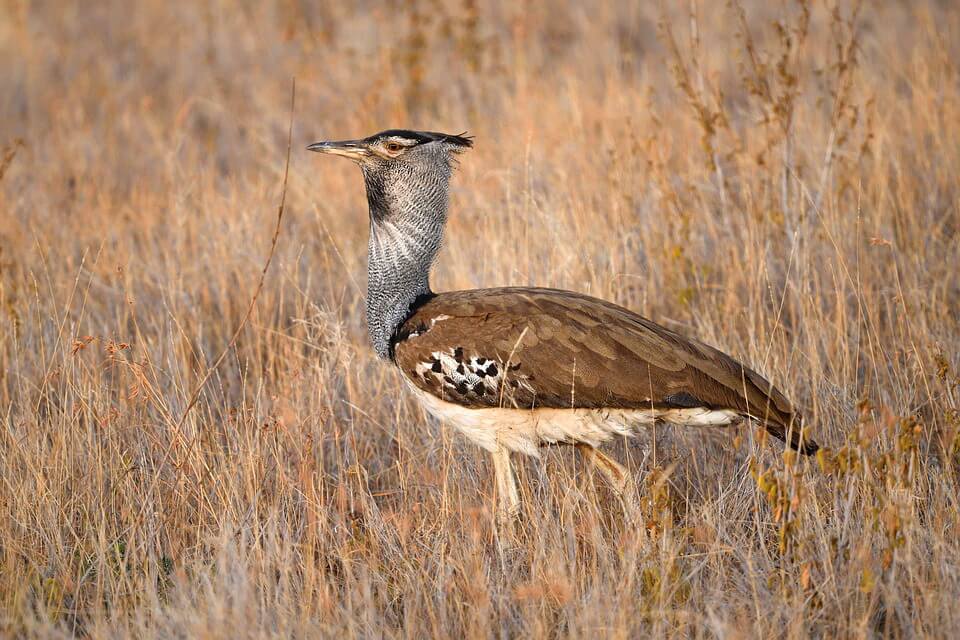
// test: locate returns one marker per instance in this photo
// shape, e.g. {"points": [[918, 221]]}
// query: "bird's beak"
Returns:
{"points": [[353, 149]]}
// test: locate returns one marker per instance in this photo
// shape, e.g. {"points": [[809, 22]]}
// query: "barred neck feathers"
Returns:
{"points": [[408, 210]]}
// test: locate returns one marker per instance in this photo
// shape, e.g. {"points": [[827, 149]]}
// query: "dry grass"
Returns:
{"points": [[780, 181]]}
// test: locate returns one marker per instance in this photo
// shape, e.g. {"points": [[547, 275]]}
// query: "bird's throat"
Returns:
{"points": [[398, 273], [408, 211]]}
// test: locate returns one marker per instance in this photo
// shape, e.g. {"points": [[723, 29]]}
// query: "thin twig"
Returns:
{"points": [[263, 274]]}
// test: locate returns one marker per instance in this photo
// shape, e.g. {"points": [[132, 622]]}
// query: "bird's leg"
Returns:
{"points": [[617, 476], [508, 500]]}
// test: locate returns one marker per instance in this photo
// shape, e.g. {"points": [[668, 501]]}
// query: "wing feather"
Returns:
{"points": [[561, 349]]}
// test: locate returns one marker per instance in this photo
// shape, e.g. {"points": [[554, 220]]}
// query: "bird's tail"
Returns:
{"points": [[792, 433]]}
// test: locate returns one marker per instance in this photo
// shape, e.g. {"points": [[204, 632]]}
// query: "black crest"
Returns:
{"points": [[423, 137]]}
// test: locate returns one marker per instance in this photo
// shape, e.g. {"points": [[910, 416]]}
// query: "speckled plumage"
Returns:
{"points": [[408, 204]]}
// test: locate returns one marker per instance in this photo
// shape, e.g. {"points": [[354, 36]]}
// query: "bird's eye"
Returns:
{"points": [[393, 146]]}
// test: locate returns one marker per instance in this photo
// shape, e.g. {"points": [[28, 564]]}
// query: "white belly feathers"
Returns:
{"points": [[524, 430]]}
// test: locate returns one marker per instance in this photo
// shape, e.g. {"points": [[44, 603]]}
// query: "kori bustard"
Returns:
{"points": [[515, 368]]}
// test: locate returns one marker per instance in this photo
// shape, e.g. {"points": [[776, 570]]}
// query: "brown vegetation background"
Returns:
{"points": [[779, 179]]}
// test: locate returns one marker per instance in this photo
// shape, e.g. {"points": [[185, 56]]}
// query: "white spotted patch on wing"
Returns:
{"points": [[471, 376]]}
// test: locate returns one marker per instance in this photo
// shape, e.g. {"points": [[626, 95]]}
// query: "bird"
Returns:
{"points": [[518, 368]]}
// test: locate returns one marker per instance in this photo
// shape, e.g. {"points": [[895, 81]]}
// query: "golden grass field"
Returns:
{"points": [[779, 180]]}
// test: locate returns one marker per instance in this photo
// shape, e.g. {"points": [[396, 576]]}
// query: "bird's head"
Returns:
{"points": [[396, 147], [406, 172], [407, 176]]}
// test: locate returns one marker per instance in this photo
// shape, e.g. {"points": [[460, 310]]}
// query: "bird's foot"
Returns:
{"points": [[507, 526], [628, 503]]}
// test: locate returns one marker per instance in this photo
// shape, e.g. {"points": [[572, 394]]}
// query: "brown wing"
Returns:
{"points": [[528, 347]]}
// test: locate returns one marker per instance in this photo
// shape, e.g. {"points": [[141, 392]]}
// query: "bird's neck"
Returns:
{"points": [[406, 231]]}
